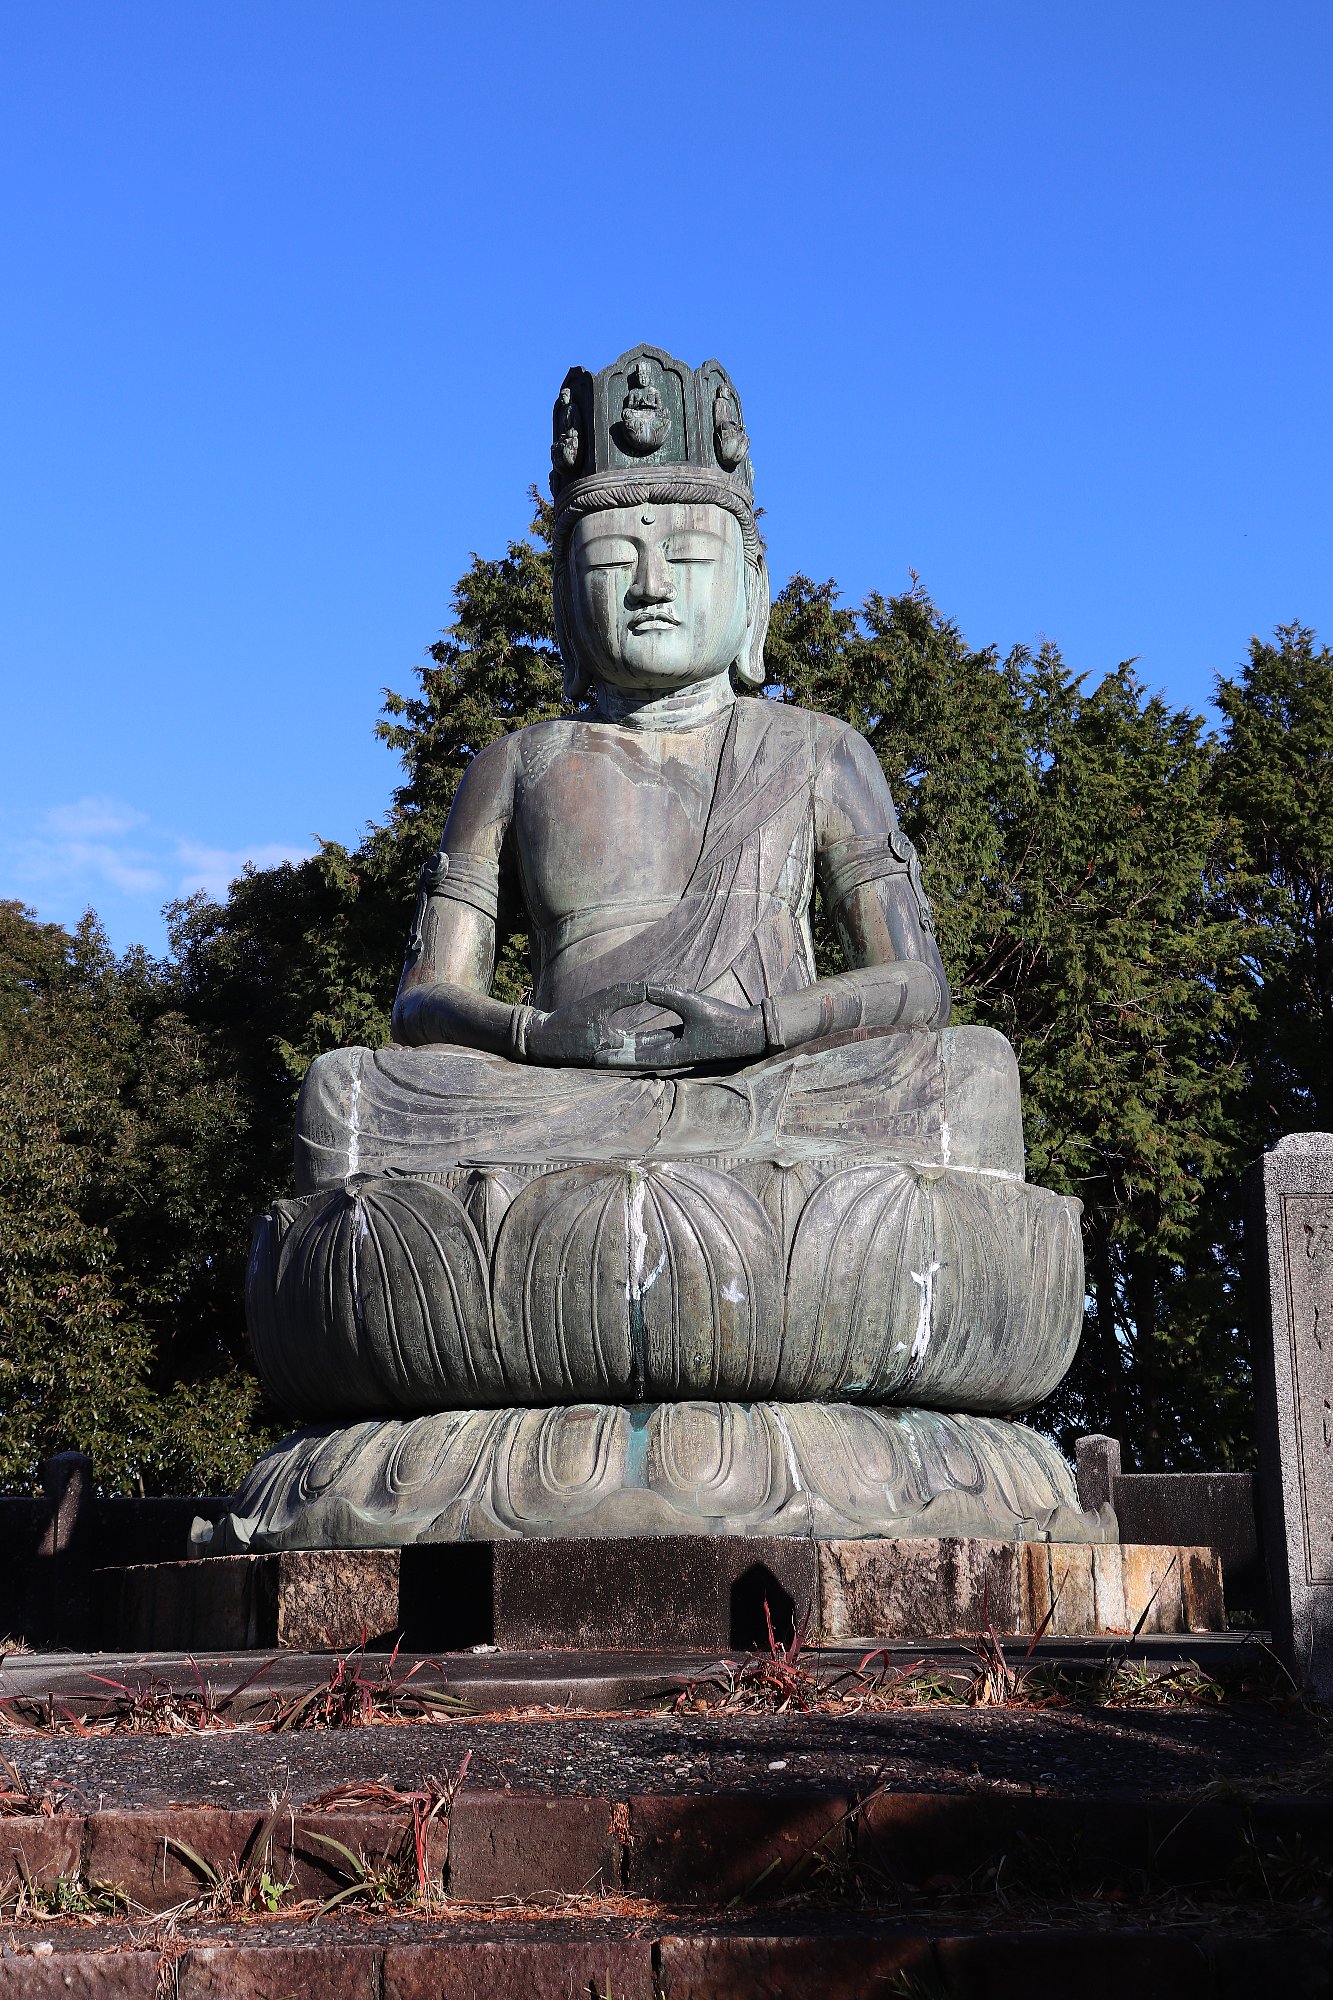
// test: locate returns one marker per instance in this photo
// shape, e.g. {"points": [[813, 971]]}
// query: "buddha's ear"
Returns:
{"points": [[748, 666], [576, 680]]}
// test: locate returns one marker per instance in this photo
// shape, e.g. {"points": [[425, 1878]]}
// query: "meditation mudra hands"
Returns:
{"points": [[584, 1032], [901, 994]]}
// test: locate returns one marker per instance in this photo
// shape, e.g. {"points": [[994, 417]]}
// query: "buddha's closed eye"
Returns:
{"points": [[693, 549], [609, 554], [618, 552]]}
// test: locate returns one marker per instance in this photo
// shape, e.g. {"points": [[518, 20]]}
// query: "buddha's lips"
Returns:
{"points": [[653, 621]]}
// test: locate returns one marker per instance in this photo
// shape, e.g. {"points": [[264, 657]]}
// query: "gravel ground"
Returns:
{"points": [[1064, 1752]]}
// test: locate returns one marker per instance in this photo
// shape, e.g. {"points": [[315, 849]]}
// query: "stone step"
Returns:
{"points": [[708, 1851], [659, 1592], [252, 1683], [155, 1743], [831, 1959], [942, 1851]]}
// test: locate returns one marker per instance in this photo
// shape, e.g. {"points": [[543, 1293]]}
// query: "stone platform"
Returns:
{"points": [[676, 1954], [655, 1593], [486, 1682]]}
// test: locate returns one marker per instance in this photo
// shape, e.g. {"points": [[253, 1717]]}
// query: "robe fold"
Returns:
{"points": [[743, 910]]}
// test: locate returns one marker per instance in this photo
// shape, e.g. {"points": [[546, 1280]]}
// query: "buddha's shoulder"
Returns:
{"points": [[538, 745], [532, 747], [827, 735], [518, 749], [516, 741]]}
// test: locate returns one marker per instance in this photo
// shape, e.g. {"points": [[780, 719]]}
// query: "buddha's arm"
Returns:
{"points": [[870, 882], [444, 993]]}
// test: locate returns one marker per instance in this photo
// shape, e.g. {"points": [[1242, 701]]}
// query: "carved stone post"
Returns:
{"points": [[1097, 1464], [1290, 1238], [64, 1551]]}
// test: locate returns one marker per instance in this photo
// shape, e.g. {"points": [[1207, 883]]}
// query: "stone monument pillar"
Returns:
{"points": [[1290, 1232], [697, 1242]]}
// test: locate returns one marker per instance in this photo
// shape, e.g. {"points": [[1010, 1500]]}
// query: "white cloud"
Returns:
{"points": [[130, 871], [83, 846], [215, 868], [93, 818], [104, 851]]}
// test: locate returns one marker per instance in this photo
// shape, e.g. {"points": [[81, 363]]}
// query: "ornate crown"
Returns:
{"points": [[650, 422]]}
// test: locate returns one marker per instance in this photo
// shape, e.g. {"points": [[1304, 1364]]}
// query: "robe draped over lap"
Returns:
{"points": [[425, 1110]]}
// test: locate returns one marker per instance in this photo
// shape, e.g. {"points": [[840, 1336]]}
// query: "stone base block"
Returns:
{"points": [[695, 1593], [308, 1602], [1067, 1589]]}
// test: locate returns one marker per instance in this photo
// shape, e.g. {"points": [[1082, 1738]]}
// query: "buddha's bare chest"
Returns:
{"points": [[614, 820]]}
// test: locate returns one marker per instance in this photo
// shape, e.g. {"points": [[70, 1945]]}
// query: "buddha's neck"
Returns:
{"points": [[685, 708]]}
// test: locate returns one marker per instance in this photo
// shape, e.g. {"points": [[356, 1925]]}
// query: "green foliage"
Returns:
{"points": [[115, 1228], [1274, 778], [73, 1361], [1145, 910], [495, 669], [1075, 850]]}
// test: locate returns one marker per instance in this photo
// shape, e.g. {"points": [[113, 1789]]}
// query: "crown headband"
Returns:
{"points": [[644, 489], [651, 427]]}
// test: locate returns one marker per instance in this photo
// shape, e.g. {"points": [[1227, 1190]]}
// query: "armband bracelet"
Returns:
{"points": [[519, 1023], [851, 864], [772, 1026]]}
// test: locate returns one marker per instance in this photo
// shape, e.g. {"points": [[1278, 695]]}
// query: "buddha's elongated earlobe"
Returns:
{"points": [[576, 680], [748, 666]]}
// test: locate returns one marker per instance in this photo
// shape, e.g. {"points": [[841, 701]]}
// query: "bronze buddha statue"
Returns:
{"points": [[697, 1240]]}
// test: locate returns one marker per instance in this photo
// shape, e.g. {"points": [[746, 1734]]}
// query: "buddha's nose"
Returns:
{"points": [[652, 577]]}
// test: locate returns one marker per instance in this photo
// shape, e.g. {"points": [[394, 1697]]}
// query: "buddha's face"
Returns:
{"points": [[657, 594]]}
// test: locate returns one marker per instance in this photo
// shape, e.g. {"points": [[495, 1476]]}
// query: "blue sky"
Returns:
{"points": [[1032, 299]]}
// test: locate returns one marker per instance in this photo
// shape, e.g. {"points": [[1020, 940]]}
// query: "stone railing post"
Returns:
{"points": [[1097, 1467], [1289, 1232], [64, 1550]]}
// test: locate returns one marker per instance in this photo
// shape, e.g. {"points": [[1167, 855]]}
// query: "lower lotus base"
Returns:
{"points": [[593, 1470]]}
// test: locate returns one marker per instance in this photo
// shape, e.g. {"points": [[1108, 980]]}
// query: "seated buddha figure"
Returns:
{"points": [[689, 1180], [663, 851]]}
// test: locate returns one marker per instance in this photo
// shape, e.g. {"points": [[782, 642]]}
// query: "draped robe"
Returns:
{"points": [[744, 909], [741, 928]]}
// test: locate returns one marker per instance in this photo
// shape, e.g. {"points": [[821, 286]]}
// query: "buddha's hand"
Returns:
{"points": [[580, 1034], [710, 1031]]}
